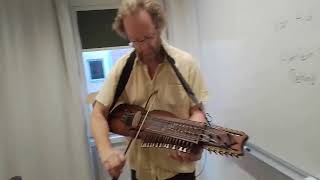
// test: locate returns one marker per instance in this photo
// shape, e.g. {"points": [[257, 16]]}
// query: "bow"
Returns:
{"points": [[133, 140]]}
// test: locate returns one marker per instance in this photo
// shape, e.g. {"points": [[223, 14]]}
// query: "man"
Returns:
{"points": [[141, 22]]}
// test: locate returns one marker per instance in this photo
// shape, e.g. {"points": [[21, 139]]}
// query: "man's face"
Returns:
{"points": [[143, 35]]}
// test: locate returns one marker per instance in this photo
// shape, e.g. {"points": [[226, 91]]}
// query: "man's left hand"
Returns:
{"points": [[196, 115]]}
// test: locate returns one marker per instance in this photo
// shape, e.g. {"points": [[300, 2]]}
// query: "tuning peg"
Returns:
{"points": [[180, 149], [184, 150], [165, 145], [173, 147]]}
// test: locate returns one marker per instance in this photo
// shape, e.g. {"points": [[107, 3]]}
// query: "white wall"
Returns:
{"points": [[184, 29], [183, 25]]}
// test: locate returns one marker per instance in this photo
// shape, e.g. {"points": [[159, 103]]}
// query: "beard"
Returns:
{"points": [[150, 55]]}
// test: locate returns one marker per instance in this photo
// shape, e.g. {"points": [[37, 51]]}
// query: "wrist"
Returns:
{"points": [[104, 152]]}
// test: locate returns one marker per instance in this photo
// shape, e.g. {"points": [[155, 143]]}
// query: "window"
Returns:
{"points": [[98, 63], [101, 47], [95, 29]]}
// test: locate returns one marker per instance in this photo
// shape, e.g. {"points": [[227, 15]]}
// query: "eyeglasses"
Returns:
{"points": [[147, 39]]}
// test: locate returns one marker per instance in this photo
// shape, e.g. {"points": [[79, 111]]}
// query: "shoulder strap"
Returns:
{"points": [[124, 77], [187, 88], [184, 83]]}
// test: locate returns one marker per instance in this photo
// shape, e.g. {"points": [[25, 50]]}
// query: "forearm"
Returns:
{"points": [[100, 132]]}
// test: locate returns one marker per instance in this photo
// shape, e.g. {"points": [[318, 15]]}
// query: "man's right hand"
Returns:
{"points": [[114, 162]]}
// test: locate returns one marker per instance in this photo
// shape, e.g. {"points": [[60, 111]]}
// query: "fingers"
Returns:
{"points": [[185, 156], [114, 173], [174, 155], [114, 163]]}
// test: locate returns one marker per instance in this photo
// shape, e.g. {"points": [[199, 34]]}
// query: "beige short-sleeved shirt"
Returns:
{"points": [[154, 163]]}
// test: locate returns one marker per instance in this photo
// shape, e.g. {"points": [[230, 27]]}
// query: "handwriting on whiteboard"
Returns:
{"points": [[297, 60], [302, 77], [279, 26], [298, 57]]}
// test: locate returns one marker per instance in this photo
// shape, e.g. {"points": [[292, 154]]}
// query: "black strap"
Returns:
{"points": [[125, 74], [187, 88], [124, 77], [184, 83]]}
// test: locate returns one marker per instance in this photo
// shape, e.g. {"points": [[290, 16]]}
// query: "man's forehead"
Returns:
{"points": [[139, 23]]}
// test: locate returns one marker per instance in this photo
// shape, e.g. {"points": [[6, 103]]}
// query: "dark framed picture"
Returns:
{"points": [[96, 69]]}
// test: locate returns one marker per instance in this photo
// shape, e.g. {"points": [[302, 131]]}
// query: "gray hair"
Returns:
{"points": [[129, 7]]}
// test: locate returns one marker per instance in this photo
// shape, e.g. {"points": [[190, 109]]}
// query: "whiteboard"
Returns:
{"points": [[261, 62]]}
